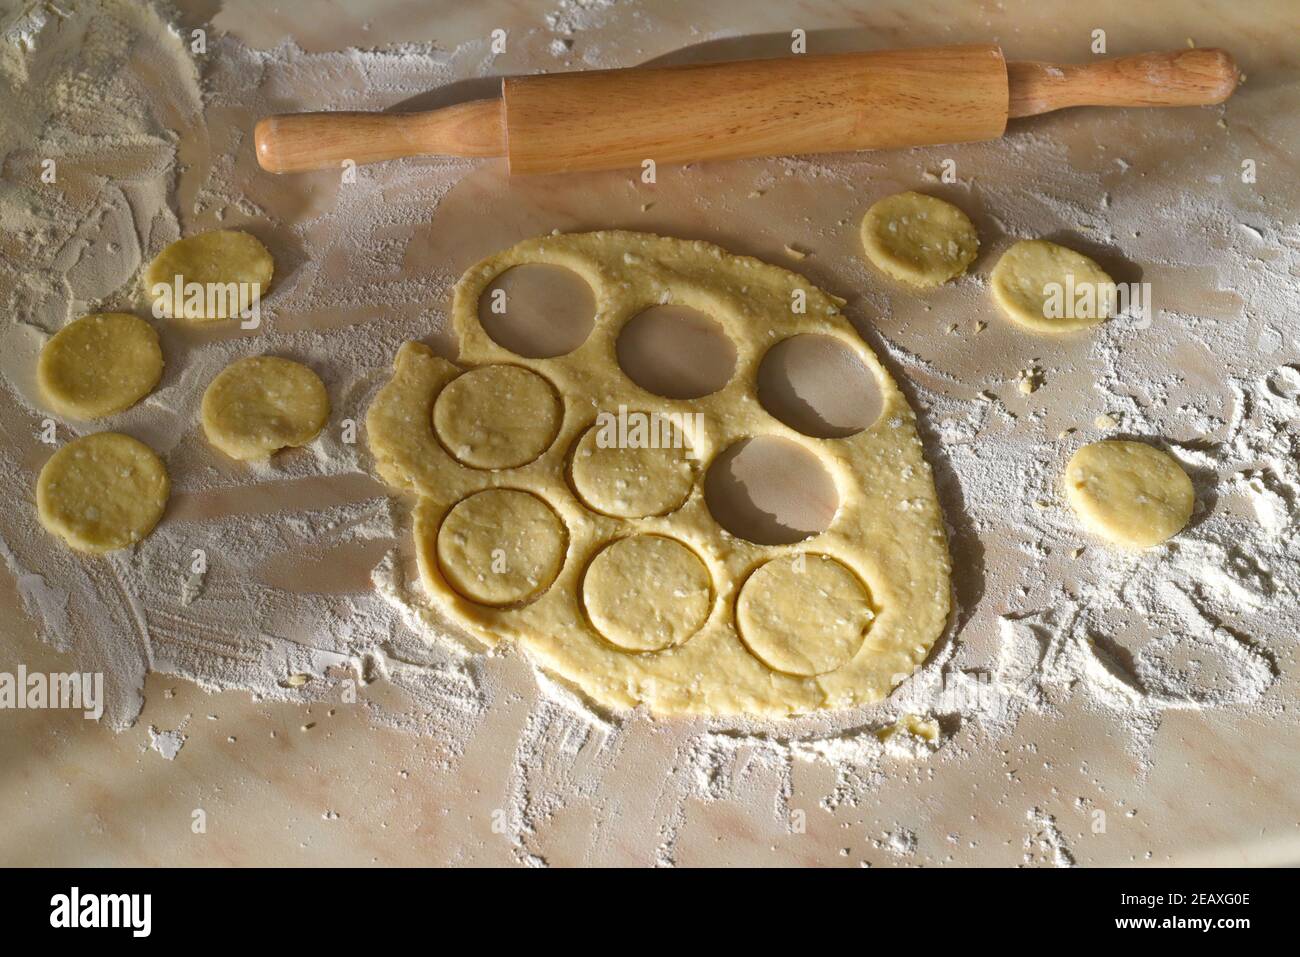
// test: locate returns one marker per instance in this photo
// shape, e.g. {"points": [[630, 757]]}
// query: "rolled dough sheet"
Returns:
{"points": [[883, 560]]}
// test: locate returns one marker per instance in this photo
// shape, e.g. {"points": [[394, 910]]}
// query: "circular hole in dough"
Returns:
{"points": [[1128, 492], [625, 477], [229, 270], [538, 310], [816, 385], [770, 491], [919, 239], [676, 352], [804, 614], [1048, 288], [261, 404], [647, 592], [102, 492], [501, 546], [99, 365], [497, 417]]}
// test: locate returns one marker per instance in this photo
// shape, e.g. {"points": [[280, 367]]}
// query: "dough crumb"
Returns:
{"points": [[1030, 380]]}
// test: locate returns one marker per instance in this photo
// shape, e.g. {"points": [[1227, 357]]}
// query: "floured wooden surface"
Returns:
{"points": [[1164, 734]]}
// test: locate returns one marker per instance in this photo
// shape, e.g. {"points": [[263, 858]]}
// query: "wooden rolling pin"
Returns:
{"points": [[609, 119]]}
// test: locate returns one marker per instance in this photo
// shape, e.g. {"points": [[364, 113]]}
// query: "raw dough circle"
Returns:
{"points": [[628, 482], [647, 592], [919, 239], [1022, 275], [501, 546], [102, 492], [261, 404], [1128, 492], [99, 365], [497, 417], [804, 614], [212, 260]]}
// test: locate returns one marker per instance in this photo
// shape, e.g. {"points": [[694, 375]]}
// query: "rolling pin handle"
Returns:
{"points": [[297, 142], [1180, 78]]}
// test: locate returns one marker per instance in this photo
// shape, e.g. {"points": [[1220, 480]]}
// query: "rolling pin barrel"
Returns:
{"points": [[611, 119]]}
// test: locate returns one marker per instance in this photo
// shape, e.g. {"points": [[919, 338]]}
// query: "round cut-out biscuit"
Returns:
{"points": [[634, 474], [261, 404], [501, 546], [497, 417], [214, 275], [100, 364], [804, 614], [647, 592], [1129, 493], [102, 492], [1048, 288], [919, 239], [878, 514]]}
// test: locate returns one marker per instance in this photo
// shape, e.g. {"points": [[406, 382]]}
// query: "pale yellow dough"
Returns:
{"points": [[804, 614], [223, 256], [100, 364], [500, 546], [1026, 272], [1129, 493], [919, 239], [261, 404], [598, 621], [102, 492], [631, 482], [647, 592], [497, 417]]}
